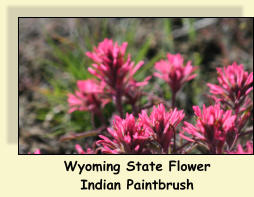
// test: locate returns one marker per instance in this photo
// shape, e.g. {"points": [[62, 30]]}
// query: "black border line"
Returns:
{"points": [[119, 154]]}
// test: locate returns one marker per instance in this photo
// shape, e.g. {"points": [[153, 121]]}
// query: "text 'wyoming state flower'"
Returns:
{"points": [[162, 125], [174, 72], [213, 128], [88, 97], [234, 85]]}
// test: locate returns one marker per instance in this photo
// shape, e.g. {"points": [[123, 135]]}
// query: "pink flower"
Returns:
{"points": [[89, 97], [162, 124], [113, 69], [81, 151], [240, 150], [111, 66], [135, 137], [213, 128], [129, 137], [234, 85], [174, 72]]}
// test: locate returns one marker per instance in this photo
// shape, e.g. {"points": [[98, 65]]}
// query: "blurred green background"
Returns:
{"points": [[52, 58]]}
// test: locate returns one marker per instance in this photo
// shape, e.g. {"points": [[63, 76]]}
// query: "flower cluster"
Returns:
{"points": [[214, 127], [233, 92], [142, 136], [112, 68], [162, 125], [128, 135]]}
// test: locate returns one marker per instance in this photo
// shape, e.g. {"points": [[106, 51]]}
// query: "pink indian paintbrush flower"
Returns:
{"points": [[240, 150], [116, 71], [234, 86], [89, 97], [162, 125], [112, 67], [81, 151], [129, 137], [135, 137], [214, 127], [174, 72]]}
